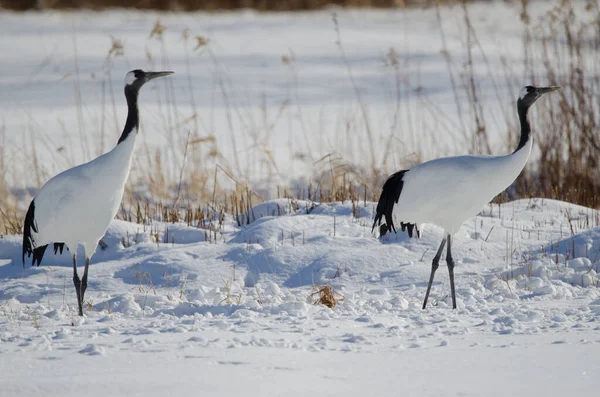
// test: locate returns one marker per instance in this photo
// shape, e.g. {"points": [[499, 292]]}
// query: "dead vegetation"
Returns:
{"points": [[325, 295]]}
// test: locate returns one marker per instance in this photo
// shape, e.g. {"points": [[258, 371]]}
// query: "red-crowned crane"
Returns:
{"points": [[450, 190], [76, 206]]}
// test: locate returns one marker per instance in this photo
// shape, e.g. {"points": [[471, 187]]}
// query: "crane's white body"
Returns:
{"points": [[450, 190], [77, 205]]}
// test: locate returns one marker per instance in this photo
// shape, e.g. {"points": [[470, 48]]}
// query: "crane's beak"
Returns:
{"points": [[154, 75], [545, 90]]}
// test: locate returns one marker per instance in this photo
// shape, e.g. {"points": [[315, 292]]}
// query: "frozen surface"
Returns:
{"points": [[236, 315]]}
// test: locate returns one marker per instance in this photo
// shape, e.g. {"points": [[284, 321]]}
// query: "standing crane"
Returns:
{"points": [[76, 206], [447, 191]]}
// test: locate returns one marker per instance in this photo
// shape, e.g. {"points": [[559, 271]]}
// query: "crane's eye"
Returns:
{"points": [[530, 89]]}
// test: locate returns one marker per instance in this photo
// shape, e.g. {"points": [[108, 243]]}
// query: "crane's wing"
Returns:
{"points": [[50, 204]]}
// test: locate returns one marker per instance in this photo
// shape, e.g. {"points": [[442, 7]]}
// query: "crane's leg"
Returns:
{"points": [[77, 283], [434, 266], [84, 278], [450, 263]]}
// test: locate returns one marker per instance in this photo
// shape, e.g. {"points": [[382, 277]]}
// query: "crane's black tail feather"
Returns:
{"points": [[28, 242], [59, 247], [411, 227], [390, 195], [29, 227]]}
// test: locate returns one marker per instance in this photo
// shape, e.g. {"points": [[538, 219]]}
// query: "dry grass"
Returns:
{"points": [[34, 317], [569, 167], [325, 295]]}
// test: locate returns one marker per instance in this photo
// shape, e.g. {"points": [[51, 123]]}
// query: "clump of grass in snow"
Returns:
{"points": [[34, 317], [325, 295], [229, 297]]}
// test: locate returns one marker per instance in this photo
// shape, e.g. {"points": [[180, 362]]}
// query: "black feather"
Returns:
{"points": [[38, 254], [390, 194], [410, 227], [29, 227], [133, 118], [29, 247], [59, 247]]}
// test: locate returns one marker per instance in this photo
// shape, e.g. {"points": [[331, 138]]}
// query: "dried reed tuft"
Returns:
{"points": [[325, 295]]}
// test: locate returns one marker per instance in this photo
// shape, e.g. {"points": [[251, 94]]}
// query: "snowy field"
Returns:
{"points": [[224, 309], [235, 315]]}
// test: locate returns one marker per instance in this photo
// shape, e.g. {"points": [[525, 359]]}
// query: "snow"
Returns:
{"points": [[236, 316]]}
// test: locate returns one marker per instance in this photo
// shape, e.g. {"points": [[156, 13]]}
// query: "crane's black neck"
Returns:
{"points": [[522, 109], [133, 118]]}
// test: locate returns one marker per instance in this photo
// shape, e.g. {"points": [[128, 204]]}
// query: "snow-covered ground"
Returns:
{"points": [[236, 316]]}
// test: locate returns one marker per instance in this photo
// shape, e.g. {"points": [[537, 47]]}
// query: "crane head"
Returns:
{"points": [[530, 94], [137, 78]]}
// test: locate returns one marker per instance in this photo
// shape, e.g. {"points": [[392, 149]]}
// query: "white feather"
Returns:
{"points": [[523, 92], [129, 78], [77, 205], [450, 190]]}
